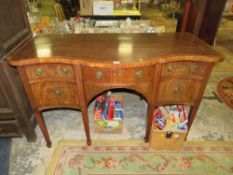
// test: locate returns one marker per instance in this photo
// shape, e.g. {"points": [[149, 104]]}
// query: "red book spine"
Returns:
{"points": [[110, 109]]}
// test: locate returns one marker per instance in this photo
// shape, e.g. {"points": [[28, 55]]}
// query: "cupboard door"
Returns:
{"points": [[178, 91], [10, 128], [55, 94], [6, 111], [14, 25], [15, 111]]}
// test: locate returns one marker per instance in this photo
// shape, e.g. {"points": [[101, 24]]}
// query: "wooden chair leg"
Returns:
{"points": [[42, 125]]}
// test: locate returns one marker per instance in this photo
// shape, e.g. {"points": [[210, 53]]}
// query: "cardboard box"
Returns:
{"points": [[103, 8], [108, 126], [86, 7], [167, 140], [112, 122]]}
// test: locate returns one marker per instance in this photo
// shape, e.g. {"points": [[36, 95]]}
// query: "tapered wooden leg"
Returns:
{"points": [[191, 116], [86, 125], [42, 125], [150, 112]]}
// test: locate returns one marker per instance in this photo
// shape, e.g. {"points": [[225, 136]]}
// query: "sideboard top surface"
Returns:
{"points": [[114, 48]]}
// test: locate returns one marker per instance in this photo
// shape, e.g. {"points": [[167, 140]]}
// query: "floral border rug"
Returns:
{"points": [[71, 158]]}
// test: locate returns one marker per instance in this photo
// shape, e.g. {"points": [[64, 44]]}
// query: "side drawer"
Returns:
{"points": [[184, 69], [10, 128], [55, 94], [178, 91], [40, 72]]}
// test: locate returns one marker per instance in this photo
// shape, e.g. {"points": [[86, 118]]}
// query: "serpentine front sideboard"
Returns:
{"points": [[69, 71]]}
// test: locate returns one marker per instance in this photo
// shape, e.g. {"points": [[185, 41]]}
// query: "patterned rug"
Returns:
{"points": [[72, 158], [225, 91]]}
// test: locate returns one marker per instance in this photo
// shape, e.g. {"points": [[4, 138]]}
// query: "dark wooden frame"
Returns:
{"points": [[202, 18], [16, 116]]}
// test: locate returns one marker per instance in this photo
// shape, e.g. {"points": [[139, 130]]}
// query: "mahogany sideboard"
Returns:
{"points": [[69, 71]]}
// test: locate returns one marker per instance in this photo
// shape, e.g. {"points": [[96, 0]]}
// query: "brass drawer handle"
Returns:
{"points": [[38, 71], [194, 68], [58, 91], [139, 74], [64, 71], [119, 72], [170, 69], [99, 74], [176, 89]]}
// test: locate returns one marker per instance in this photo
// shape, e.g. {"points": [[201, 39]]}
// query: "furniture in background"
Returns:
{"points": [[202, 18], [114, 9], [15, 111], [228, 11], [69, 71], [225, 91], [59, 12]]}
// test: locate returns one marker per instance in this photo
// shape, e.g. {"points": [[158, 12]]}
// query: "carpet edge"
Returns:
{"points": [[55, 156]]}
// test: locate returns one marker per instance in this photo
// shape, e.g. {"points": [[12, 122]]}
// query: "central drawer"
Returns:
{"points": [[97, 75], [99, 79], [133, 75], [117, 75]]}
